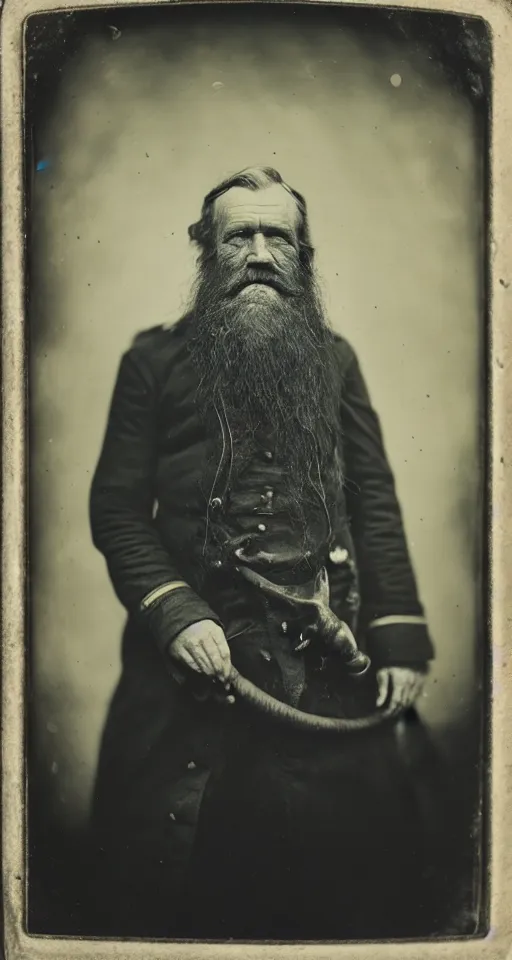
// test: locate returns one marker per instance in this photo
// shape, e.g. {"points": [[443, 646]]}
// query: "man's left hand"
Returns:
{"points": [[406, 686]]}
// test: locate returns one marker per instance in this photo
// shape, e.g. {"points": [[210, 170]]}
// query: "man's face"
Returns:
{"points": [[257, 243]]}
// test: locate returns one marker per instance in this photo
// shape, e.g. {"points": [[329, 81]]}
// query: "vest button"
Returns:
{"points": [[268, 455], [261, 527], [216, 503], [217, 564]]}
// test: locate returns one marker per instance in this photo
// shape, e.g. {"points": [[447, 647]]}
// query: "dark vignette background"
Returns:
{"points": [[460, 51]]}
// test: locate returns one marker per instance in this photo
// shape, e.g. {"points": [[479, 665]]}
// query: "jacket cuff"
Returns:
{"points": [[399, 640], [171, 613]]}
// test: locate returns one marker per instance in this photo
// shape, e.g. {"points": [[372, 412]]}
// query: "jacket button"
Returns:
{"points": [[261, 527], [268, 455], [216, 503], [338, 555]]}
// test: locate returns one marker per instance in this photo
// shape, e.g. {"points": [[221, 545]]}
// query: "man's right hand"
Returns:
{"points": [[203, 647]]}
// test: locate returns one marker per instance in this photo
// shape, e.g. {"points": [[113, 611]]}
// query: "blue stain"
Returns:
{"points": [[42, 164]]}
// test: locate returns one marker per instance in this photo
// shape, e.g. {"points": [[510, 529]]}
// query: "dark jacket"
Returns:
{"points": [[157, 452], [159, 499]]}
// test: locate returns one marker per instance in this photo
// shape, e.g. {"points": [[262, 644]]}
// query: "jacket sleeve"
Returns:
{"points": [[145, 578], [392, 616]]}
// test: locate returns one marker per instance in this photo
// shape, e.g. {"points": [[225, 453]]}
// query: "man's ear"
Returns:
{"points": [[194, 231], [306, 254]]}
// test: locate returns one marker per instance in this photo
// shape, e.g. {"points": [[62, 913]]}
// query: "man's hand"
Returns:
{"points": [[406, 686], [203, 647]]}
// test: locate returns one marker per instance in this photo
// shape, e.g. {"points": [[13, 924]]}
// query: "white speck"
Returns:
{"points": [[395, 80], [338, 555], [115, 33], [51, 727], [217, 85], [50, 440], [191, 765], [172, 816], [55, 766]]}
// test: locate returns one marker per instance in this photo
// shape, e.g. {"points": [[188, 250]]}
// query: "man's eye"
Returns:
{"points": [[280, 240], [236, 239]]}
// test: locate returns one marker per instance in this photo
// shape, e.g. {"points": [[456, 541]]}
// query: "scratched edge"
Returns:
{"points": [[17, 944]]}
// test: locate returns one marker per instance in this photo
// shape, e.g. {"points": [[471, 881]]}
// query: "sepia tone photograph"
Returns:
{"points": [[257, 326]]}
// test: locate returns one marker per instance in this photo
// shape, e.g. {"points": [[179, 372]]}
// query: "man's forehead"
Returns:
{"points": [[273, 203]]}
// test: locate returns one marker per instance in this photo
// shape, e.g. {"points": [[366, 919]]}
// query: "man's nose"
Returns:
{"points": [[259, 252]]}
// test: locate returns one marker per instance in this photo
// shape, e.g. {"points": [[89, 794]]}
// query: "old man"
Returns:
{"points": [[242, 449]]}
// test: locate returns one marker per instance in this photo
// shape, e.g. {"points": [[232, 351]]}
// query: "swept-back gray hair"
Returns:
{"points": [[252, 178]]}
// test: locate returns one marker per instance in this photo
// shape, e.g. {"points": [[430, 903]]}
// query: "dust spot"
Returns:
{"points": [[395, 80]]}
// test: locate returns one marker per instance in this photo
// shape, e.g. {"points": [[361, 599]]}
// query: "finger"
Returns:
{"points": [[383, 681], [411, 691], [202, 661], [186, 658], [210, 650], [417, 689], [220, 656], [224, 654], [406, 695], [397, 693]]}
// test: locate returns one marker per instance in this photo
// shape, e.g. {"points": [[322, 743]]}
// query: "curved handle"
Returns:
{"points": [[278, 710], [335, 633]]}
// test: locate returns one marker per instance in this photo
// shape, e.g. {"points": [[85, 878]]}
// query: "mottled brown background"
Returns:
{"points": [[140, 126]]}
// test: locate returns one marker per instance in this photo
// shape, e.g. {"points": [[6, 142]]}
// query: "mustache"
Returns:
{"points": [[267, 276]]}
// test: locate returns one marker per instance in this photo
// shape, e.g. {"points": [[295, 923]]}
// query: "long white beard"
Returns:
{"points": [[270, 364]]}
